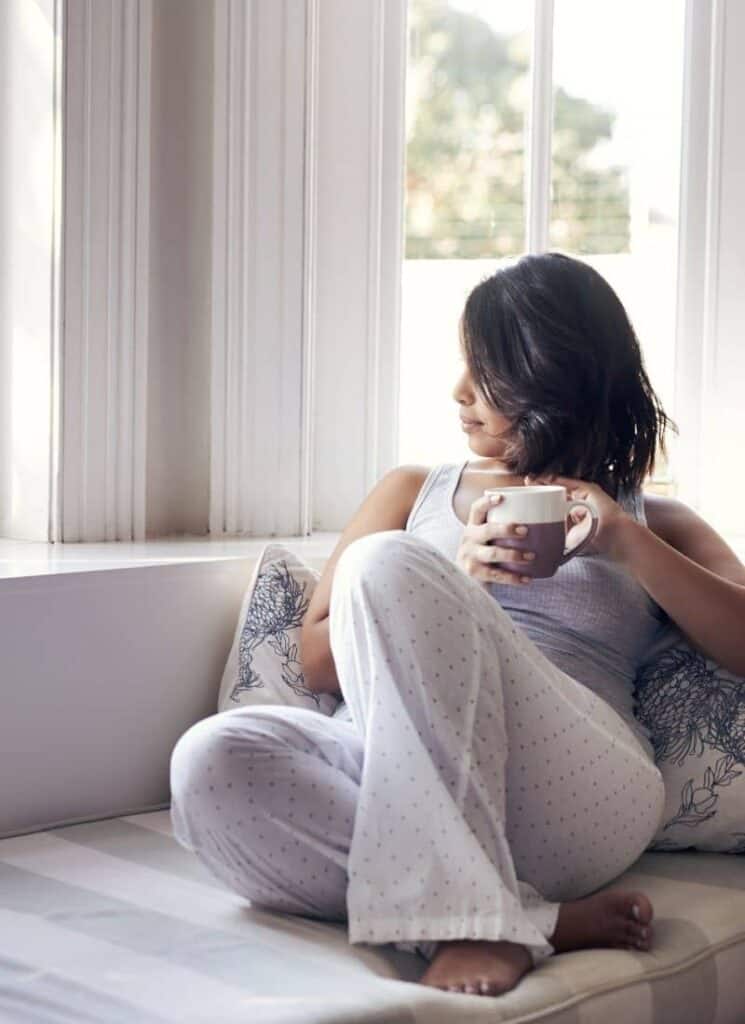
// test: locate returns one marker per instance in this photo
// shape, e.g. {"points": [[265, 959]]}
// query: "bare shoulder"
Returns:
{"points": [[686, 531], [412, 477], [386, 507]]}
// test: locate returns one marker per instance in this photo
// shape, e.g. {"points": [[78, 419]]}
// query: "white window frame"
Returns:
{"points": [[706, 75], [710, 76]]}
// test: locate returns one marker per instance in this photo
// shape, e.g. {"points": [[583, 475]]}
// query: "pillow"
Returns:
{"points": [[695, 712], [265, 661]]}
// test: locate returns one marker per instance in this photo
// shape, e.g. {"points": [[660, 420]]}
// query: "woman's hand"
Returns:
{"points": [[612, 519], [477, 553]]}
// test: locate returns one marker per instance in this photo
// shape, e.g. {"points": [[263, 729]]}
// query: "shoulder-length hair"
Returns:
{"points": [[551, 347]]}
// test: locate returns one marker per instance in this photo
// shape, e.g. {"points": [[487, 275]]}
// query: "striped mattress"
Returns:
{"points": [[113, 921]]}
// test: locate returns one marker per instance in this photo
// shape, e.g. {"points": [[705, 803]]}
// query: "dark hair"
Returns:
{"points": [[550, 345]]}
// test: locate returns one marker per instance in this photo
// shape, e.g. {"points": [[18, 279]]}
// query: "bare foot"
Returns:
{"points": [[609, 918], [477, 966], [606, 918]]}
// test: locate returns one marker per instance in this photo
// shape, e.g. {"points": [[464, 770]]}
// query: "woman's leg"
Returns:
{"points": [[266, 798], [483, 763]]}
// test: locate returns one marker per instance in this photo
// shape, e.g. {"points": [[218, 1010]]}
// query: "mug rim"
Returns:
{"points": [[536, 488]]}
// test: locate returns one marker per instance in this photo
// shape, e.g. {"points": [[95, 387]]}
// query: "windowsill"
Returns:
{"points": [[25, 558]]}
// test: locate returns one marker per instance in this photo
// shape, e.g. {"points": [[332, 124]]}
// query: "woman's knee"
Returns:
{"points": [[368, 552], [389, 560], [224, 751]]}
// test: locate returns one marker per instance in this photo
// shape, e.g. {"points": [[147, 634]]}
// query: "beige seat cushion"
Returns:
{"points": [[112, 920]]}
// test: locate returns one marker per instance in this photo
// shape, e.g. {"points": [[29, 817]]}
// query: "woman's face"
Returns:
{"points": [[491, 425]]}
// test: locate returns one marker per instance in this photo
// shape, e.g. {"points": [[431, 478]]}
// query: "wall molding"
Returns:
{"points": [[103, 347]]}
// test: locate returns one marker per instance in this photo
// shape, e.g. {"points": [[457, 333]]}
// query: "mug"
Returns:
{"points": [[543, 509]]}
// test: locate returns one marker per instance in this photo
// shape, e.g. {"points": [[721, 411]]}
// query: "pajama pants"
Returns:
{"points": [[469, 787]]}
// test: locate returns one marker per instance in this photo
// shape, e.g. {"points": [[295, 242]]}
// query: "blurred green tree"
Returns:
{"points": [[467, 89]]}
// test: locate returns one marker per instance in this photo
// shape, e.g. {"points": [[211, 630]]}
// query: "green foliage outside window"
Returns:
{"points": [[465, 153]]}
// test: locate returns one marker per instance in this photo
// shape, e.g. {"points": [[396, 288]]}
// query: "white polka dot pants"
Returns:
{"points": [[474, 787]]}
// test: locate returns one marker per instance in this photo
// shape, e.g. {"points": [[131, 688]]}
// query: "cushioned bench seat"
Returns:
{"points": [[113, 921]]}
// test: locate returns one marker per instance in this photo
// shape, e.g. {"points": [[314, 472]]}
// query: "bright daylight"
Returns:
{"points": [[372, 545]]}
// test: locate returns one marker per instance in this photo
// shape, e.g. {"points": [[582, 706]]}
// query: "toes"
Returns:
{"points": [[481, 987], [640, 908], [637, 937]]}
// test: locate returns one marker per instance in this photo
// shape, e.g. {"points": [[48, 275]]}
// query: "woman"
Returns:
{"points": [[484, 779]]}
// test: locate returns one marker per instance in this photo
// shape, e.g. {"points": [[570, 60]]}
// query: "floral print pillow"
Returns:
{"points": [[695, 712], [265, 661]]}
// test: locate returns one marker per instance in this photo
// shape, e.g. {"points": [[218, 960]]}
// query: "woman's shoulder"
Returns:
{"points": [[667, 516], [685, 530]]}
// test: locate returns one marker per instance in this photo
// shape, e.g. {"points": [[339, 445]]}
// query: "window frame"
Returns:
{"points": [[699, 215]]}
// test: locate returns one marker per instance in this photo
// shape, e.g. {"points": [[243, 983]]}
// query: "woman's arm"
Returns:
{"points": [[386, 507], [689, 570], [682, 563]]}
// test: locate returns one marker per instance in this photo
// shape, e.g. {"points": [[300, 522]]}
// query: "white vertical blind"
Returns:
{"points": [[105, 237], [358, 151], [257, 268]]}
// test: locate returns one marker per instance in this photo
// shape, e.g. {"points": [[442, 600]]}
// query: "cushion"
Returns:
{"points": [[695, 712], [115, 921], [265, 661]]}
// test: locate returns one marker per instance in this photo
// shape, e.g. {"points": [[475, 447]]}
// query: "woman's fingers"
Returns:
{"points": [[477, 555], [491, 530], [495, 575], [494, 553], [480, 507]]}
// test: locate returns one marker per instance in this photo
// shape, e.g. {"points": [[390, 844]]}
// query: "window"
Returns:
{"points": [[612, 76]]}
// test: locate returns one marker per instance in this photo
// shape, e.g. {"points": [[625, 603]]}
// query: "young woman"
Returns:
{"points": [[484, 779]]}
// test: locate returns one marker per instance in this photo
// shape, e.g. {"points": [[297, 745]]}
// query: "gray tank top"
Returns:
{"points": [[591, 619]]}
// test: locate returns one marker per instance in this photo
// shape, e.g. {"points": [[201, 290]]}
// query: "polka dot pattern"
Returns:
{"points": [[468, 787]]}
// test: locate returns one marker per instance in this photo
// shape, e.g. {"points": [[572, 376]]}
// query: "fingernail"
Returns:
{"points": [[525, 579], [494, 498], [522, 530], [635, 911], [528, 556]]}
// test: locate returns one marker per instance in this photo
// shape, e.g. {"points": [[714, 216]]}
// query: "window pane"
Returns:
{"points": [[618, 74], [465, 118]]}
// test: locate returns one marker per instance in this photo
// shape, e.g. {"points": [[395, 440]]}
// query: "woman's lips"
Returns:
{"points": [[469, 424]]}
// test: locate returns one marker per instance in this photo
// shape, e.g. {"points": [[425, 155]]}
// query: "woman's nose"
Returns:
{"points": [[463, 392]]}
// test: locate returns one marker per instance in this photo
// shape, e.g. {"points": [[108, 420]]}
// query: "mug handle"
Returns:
{"points": [[593, 528]]}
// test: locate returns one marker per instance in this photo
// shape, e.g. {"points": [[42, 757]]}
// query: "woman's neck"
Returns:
{"points": [[491, 466]]}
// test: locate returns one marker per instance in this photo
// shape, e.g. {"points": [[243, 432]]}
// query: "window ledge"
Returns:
{"points": [[25, 558]]}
